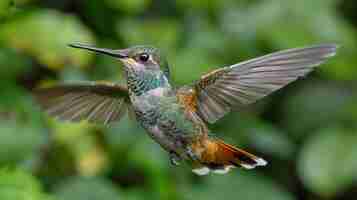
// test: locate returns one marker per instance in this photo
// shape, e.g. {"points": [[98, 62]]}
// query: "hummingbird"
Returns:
{"points": [[177, 117]]}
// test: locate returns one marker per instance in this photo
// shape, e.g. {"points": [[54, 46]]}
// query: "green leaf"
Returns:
{"points": [[327, 163]]}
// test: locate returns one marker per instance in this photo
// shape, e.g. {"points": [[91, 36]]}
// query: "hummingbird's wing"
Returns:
{"points": [[93, 101], [231, 87]]}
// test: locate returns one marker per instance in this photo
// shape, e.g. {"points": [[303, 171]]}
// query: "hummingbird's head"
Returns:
{"points": [[134, 58]]}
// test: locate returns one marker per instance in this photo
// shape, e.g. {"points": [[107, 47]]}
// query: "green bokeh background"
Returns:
{"points": [[307, 131]]}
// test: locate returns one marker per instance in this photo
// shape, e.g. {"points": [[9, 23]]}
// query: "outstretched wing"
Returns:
{"points": [[93, 101], [244, 83]]}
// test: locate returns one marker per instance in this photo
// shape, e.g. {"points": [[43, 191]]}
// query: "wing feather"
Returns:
{"points": [[229, 87], [93, 101]]}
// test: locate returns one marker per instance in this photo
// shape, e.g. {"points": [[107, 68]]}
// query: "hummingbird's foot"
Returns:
{"points": [[191, 155], [174, 158]]}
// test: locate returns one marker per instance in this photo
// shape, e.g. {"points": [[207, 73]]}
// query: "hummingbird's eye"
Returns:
{"points": [[144, 57]]}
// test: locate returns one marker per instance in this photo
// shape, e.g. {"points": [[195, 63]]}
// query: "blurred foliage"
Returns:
{"points": [[17, 184], [307, 131], [85, 188], [26, 34], [239, 184], [330, 173]]}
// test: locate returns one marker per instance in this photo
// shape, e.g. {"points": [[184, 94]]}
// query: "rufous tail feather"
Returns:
{"points": [[219, 157]]}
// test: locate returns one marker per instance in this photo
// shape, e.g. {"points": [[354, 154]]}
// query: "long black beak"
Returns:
{"points": [[115, 53]]}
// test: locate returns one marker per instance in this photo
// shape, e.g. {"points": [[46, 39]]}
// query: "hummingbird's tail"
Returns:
{"points": [[220, 157]]}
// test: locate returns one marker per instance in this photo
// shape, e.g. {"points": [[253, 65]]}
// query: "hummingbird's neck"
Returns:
{"points": [[142, 81]]}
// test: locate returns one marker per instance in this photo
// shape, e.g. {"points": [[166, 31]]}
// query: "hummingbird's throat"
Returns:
{"points": [[143, 81]]}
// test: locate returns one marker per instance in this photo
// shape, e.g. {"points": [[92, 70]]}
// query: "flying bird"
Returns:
{"points": [[177, 117]]}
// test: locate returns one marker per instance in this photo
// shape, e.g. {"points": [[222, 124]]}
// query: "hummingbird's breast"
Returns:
{"points": [[158, 110], [160, 113]]}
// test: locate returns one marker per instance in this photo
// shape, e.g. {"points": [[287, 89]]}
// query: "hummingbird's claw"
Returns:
{"points": [[174, 159], [191, 155]]}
